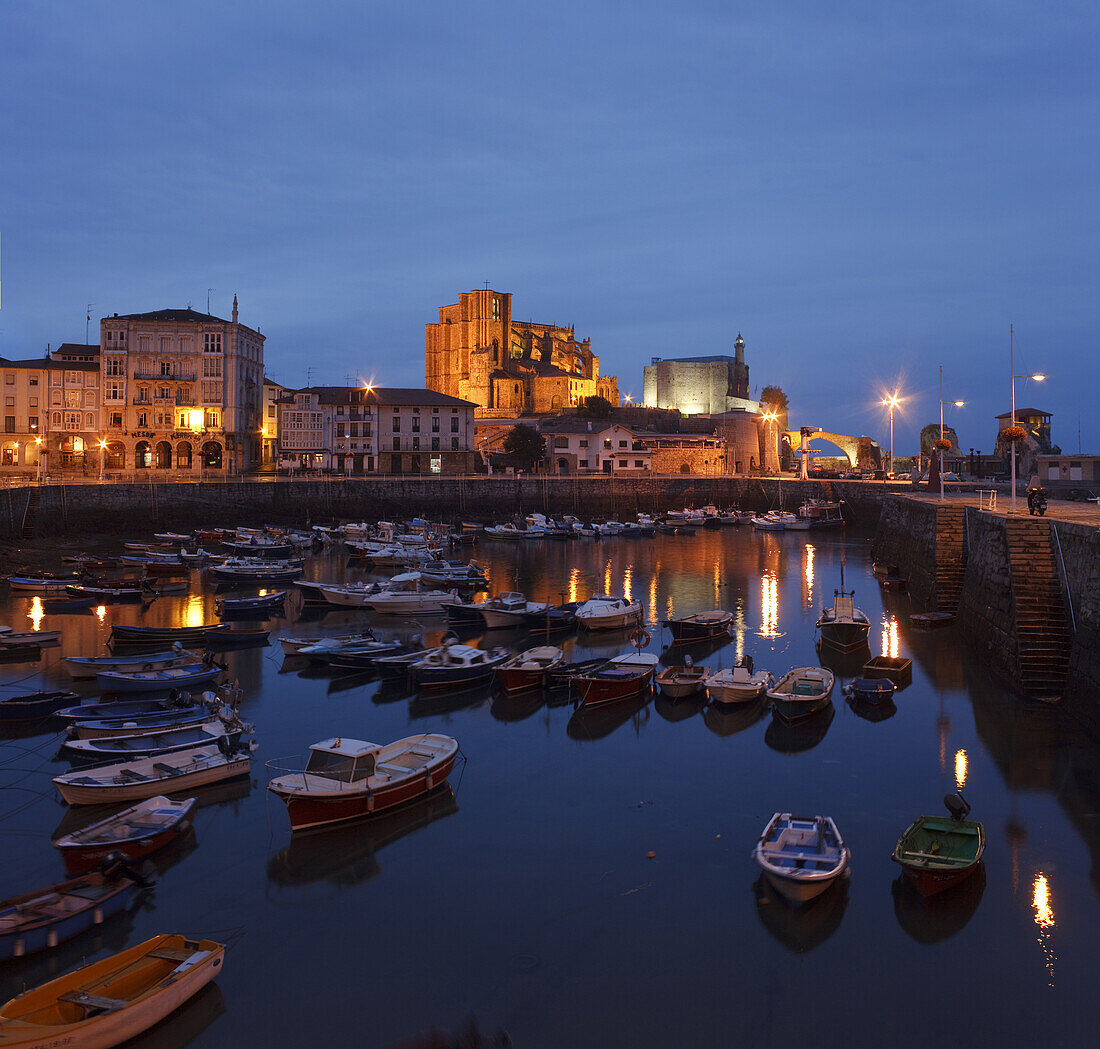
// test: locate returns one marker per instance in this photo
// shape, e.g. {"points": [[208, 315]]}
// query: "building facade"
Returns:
{"points": [[182, 391], [576, 447], [478, 352], [700, 385], [376, 430]]}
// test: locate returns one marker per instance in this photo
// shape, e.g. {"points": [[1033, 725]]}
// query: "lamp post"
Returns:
{"points": [[891, 402], [958, 404], [1038, 377], [38, 442], [102, 456]]}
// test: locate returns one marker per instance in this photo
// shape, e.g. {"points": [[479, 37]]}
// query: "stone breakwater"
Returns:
{"points": [[116, 508]]}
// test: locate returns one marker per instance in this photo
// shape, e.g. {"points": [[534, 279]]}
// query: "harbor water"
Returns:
{"points": [[586, 879]]}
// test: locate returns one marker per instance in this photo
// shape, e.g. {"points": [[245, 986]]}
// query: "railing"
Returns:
{"points": [[987, 499], [1065, 577], [156, 376]]}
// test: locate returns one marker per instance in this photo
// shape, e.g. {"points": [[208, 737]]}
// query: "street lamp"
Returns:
{"points": [[891, 402], [768, 417], [102, 456], [38, 441], [1038, 377], [958, 404]]}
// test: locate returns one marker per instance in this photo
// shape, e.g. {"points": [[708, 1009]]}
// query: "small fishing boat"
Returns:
{"points": [[561, 676], [82, 668], [453, 573], [185, 635], [46, 917], [457, 666], [106, 595], [801, 692], [110, 748], [240, 606], [610, 683], [702, 626], [364, 656], [35, 706], [40, 584], [130, 708], [553, 619], [739, 684], [141, 725], [255, 572], [171, 537], [157, 680], [254, 547], [135, 832], [407, 598], [604, 612], [842, 625], [679, 682], [528, 670], [293, 646], [938, 852], [801, 856], [113, 1000], [504, 531], [147, 777], [873, 690], [347, 779], [506, 610], [400, 663], [30, 637]]}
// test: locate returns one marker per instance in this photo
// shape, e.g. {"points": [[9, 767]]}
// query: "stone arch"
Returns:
{"points": [[849, 446], [143, 455], [114, 456], [212, 455], [685, 467], [183, 455], [162, 458], [563, 465]]}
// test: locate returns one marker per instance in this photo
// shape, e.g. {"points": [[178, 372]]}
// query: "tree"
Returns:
{"points": [[524, 446], [773, 395], [596, 407]]}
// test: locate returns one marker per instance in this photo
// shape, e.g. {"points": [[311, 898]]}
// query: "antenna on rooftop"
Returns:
{"points": [[87, 321], [309, 376]]}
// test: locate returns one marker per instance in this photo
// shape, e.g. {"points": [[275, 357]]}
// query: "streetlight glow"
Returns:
{"points": [[891, 402]]}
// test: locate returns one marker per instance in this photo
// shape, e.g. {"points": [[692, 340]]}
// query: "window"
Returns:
{"points": [[561, 442], [33, 424], [9, 424], [9, 379], [9, 402], [212, 392], [416, 444], [496, 308], [397, 424], [72, 398], [165, 366], [340, 429], [271, 411], [89, 421], [143, 420], [435, 426], [622, 444], [454, 444], [113, 391], [116, 420], [622, 464], [212, 367], [354, 429], [72, 420], [607, 444], [89, 399], [33, 380], [163, 393], [454, 424], [583, 464], [211, 419], [435, 411], [211, 342], [414, 463], [416, 423], [639, 464], [397, 444], [583, 444], [435, 444], [114, 366]]}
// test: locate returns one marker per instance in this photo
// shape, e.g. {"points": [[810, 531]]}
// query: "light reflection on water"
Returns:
{"points": [[36, 613], [960, 769], [568, 808]]}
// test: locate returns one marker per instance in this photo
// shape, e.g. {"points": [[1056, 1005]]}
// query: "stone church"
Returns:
{"points": [[478, 352]]}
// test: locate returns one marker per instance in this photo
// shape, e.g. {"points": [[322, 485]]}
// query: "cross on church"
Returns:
{"points": [[486, 285]]}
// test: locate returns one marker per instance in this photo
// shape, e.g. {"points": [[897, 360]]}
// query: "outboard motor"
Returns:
{"points": [[957, 805]]}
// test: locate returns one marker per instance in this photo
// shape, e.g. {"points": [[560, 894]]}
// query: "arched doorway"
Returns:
{"points": [[563, 466], [212, 455], [143, 455], [72, 451], [164, 455], [183, 455], [115, 456], [11, 453], [685, 468]]}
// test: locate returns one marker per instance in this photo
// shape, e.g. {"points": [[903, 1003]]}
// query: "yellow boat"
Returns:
{"points": [[110, 1001]]}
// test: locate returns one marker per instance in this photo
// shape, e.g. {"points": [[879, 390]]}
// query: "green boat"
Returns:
{"points": [[938, 852]]}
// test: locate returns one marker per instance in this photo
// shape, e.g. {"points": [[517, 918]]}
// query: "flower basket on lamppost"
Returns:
{"points": [[1014, 434]]}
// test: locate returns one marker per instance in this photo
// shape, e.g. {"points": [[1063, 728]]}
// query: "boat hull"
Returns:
{"points": [[845, 637], [311, 812], [929, 873], [597, 691], [84, 856]]}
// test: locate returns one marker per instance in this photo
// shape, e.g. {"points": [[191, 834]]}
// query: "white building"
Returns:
{"points": [[574, 446]]}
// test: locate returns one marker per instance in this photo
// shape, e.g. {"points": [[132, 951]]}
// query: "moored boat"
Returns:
{"points": [[739, 684], [527, 671], [610, 683], [457, 666], [141, 725], [801, 692], [82, 668], [112, 1000], [872, 690], [157, 680], [348, 779], [842, 625], [162, 773], [36, 921], [801, 856], [35, 706], [605, 612], [701, 626], [938, 852], [185, 635], [678, 682], [109, 748], [135, 832]]}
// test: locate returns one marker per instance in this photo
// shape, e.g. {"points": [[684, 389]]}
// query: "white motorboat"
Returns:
{"points": [[405, 597], [504, 531], [354, 595], [527, 671], [774, 521], [801, 856], [604, 612], [292, 646], [739, 684], [457, 666], [507, 610]]}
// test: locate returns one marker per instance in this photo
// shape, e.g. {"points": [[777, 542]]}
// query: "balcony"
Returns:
{"points": [[156, 376], [187, 401], [147, 401]]}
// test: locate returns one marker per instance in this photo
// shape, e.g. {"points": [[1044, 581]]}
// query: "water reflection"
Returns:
{"points": [[890, 638], [801, 928], [728, 720], [347, 856], [679, 709], [794, 737], [937, 919], [36, 613], [516, 707], [591, 723], [960, 769], [1044, 919], [769, 606], [875, 712], [808, 576]]}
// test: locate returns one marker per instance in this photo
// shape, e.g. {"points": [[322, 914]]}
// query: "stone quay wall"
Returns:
{"points": [[129, 508]]}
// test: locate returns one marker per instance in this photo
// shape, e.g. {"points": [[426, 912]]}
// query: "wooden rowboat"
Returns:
{"points": [[112, 1000], [938, 852], [34, 707], [801, 856], [135, 832]]}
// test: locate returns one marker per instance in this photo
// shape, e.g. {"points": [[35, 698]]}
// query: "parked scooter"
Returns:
{"points": [[1037, 502]]}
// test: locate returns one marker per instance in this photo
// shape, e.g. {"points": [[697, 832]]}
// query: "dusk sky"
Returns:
{"points": [[865, 191]]}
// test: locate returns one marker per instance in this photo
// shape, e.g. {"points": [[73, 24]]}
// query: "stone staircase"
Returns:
{"points": [[951, 552], [1041, 625], [30, 514]]}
